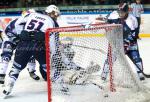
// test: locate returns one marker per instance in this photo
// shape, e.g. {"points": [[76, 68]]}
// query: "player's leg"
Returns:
{"points": [[107, 64], [105, 70], [7, 51], [21, 58], [136, 59], [31, 68], [40, 56]]}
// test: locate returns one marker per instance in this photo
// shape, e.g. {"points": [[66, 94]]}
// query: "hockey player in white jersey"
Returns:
{"points": [[11, 39], [33, 43], [130, 25]]}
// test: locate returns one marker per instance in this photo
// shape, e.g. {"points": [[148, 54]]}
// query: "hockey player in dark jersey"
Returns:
{"points": [[130, 28]]}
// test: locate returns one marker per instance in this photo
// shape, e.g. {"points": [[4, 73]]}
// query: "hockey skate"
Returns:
{"points": [[141, 76], [7, 89], [33, 75]]}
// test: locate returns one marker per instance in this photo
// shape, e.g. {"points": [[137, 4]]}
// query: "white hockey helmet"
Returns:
{"points": [[52, 8]]}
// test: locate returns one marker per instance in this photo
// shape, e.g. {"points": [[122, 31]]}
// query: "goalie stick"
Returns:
{"points": [[86, 47]]}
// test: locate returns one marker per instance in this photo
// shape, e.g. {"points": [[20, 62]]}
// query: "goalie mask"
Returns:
{"points": [[67, 42]]}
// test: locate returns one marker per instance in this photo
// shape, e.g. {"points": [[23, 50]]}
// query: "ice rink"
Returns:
{"points": [[28, 90]]}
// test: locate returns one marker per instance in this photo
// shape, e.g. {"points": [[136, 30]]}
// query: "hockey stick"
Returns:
{"points": [[86, 47], [146, 75]]}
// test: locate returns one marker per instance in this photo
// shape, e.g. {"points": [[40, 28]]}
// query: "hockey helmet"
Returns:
{"points": [[52, 8], [123, 7]]}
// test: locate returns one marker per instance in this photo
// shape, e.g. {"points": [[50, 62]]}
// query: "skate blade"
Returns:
{"points": [[6, 97], [3, 96]]}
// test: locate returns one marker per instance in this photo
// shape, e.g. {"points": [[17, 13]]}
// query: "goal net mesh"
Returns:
{"points": [[77, 70]]}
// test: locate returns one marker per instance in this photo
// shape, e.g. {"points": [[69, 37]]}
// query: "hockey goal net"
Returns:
{"points": [[75, 65]]}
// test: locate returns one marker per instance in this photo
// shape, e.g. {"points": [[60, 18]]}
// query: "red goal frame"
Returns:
{"points": [[72, 29]]}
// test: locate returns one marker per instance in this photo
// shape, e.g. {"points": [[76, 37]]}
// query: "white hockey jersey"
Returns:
{"points": [[37, 21]]}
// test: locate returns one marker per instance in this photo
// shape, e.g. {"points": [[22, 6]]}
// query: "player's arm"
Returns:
{"points": [[11, 34], [9, 42], [133, 27], [110, 18]]}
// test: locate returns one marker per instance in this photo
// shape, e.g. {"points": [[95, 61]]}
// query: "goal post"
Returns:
{"points": [[75, 66]]}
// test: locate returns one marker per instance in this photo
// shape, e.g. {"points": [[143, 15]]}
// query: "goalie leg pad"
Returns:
{"points": [[69, 76], [81, 76]]}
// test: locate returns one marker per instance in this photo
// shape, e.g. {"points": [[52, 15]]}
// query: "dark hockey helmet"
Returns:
{"points": [[123, 7]]}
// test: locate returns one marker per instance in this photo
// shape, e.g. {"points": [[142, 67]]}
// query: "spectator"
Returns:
{"points": [[136, 9]]}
